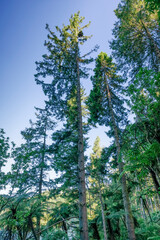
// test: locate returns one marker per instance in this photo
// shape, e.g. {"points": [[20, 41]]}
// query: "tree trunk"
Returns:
{"points": [[32, 227], [9, 231], [110, 229], [150, 202], [81, 169], [117, 230], [14, 211], [89, 202], [153, 43], [95, 231], [126, 201], [147, 208], [40, 184], [25, 234], [155, 181], [156, 203], [142, 209], [103, 216], [64, 227], [19, 232]]}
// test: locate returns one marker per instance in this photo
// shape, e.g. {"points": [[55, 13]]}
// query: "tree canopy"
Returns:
{"points": [[54, 190]]}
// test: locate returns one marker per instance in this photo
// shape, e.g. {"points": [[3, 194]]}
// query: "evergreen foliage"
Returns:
{"points": [[55, 191], [4, 155], [136, 37]]}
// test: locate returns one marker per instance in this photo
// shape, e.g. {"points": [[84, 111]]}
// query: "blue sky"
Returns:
{"points": [[22, 27]]}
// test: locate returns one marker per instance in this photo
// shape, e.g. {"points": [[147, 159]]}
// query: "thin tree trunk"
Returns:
{"points": [[142, 210], [9, 234], [95, 231], [89, 202], [155, 181], [110, 229], [155, 204], [64, 226], [89, 198], [150, 201], [81, 169], [103, 216], [153, 43], [126, 201], [40, 184], [19, 232], [32, 227], [117, 230], [24, 234], [147, 208], [14, 211], [143, 214]]}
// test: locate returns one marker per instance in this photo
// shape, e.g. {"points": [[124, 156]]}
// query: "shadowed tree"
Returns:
{"points": [[106, 108]]}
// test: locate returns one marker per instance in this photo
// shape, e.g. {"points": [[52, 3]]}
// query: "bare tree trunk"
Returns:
{"points": [[126, 201], [155, 181], [103, 216], [81, 168], [147, 208], [110, 229], [155, 203], [40, 184], [32, 227], [64, 226], [142, 209], [151, 204]]}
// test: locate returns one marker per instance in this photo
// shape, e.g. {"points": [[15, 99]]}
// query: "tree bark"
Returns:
{"points": [[152, 41], [142, 209], [155, 181], [81, 168], [126, 201], [40, 183], [64, 227], [110, 229], [155, 203], [9, 230], [32, 227], [41, 179], [150, 202], [147, 208], [95, 231], [14, 211], [103, 216]]}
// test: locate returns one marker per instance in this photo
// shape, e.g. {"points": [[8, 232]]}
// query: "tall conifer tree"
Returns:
{"points": [[106, 107], [33, 160], [96, 179], [65, 67]]}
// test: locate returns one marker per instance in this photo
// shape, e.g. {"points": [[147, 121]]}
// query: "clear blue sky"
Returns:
{"points": [[22, 27]]}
